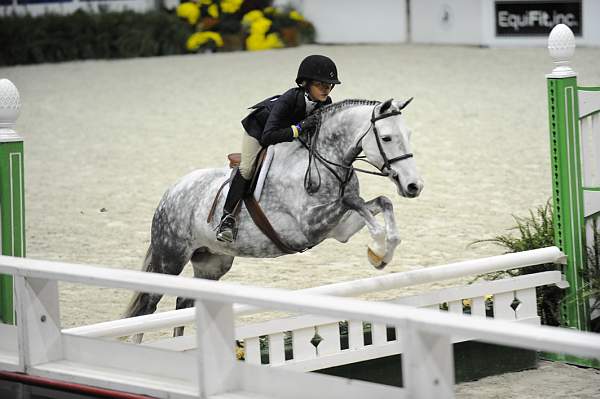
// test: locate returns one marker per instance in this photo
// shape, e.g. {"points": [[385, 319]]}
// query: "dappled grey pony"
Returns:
{"points": [[311, 193]]}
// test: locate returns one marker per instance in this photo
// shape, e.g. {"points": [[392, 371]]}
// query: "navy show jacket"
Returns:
{"points": [[271, 119]]}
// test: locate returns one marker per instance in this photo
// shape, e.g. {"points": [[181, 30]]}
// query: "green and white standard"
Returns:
{"points": [[575, 156], [12, 201]]}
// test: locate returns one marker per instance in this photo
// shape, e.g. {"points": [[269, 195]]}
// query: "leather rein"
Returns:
{"points": [[310, 145]]}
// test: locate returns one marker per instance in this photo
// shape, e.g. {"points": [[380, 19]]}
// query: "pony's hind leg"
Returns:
{"points": [[156, 261], [208, 266]]}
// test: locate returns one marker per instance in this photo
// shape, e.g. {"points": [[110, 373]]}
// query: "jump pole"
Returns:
{"points": [[575, 187], [12, 196]]}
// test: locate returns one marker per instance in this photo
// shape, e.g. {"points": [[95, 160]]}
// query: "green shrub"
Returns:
{"points": [[534, 231], [82, 35]]}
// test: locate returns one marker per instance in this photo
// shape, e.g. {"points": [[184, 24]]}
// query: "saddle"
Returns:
{"points": [[251, 200]]}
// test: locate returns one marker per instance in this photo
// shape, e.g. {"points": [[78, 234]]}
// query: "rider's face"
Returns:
{"points": [[319, 90]]}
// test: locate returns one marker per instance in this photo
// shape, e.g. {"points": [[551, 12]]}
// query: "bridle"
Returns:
{"points": [[349, 168], [387, 163]]}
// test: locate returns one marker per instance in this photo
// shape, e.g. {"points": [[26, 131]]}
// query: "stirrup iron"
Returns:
{"points": [[227, 229]]}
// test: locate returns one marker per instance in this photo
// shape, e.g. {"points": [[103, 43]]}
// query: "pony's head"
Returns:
{"points": [[387, 146]]}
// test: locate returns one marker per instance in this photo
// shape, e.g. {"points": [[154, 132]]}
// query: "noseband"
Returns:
{"points": [[349, 168]]}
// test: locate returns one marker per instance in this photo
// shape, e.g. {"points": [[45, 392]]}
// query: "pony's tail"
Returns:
{"points": [[135, 305]]}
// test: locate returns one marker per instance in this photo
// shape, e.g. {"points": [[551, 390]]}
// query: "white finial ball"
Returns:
{"points": [[10, 103], [561, 43]]}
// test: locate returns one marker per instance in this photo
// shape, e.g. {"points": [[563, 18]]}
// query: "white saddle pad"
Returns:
{"points": [[264, 170]]}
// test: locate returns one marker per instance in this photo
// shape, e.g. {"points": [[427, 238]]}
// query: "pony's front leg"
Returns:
{"points": [[385, 240]]}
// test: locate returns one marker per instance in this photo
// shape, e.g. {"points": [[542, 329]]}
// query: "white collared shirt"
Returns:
{"points": [[310, 104]]}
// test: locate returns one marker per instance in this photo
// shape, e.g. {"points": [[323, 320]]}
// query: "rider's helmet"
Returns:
{"points": [[317, 67]]}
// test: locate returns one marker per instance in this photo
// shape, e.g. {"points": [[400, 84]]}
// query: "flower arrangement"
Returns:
{"points": [[227, 25], [259, 26]]}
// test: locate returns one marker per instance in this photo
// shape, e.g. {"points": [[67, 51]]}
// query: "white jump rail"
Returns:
{"points": [[37, 346], [174, 318], [512, 299]]}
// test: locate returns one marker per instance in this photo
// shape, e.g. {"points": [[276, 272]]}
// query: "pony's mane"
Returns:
{"points": [[340, 105], [329, 110]]}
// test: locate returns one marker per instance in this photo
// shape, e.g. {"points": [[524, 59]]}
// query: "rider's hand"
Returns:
{"points": [[308, 125]]}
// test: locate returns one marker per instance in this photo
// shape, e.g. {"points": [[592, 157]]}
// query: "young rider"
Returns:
{"points": [[275, 120]]}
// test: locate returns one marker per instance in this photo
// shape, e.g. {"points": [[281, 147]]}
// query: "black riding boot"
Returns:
{"points": [[227, 229]]}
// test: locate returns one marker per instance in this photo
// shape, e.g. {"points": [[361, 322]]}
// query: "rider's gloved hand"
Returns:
{"points": [[308, 125]]}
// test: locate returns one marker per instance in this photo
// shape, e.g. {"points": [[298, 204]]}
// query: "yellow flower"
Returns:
{"points": [[269, 10], [273, 41], [256, 42], [199, 38], [206, 2], [260, 26], [213, 11], [239, 353], [251, 16], [189, 11], [295, 15], [231, 6]]}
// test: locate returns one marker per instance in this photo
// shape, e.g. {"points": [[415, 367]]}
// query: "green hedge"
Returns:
{"points": [[56, 38]]}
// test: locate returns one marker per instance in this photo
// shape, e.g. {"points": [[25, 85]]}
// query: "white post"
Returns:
{"points": [[427, 364], [217, 372], [38, 321]]}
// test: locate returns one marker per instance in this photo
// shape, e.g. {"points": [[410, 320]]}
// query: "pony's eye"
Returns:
{"points": [[386, 138]]}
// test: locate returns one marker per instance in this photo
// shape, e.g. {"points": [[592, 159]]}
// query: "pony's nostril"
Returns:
{"points": [[412, 188]]}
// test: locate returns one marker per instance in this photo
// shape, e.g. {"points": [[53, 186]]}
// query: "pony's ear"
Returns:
{"points": [[406, 103], [385, 106]]}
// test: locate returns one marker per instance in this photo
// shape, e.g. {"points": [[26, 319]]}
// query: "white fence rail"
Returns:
{"points": [[37, 345], [512, 299], [291, 341], [169, 319], [589, 129]]}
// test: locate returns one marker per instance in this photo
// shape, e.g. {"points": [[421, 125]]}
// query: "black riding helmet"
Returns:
{"points": [[317, 67]]}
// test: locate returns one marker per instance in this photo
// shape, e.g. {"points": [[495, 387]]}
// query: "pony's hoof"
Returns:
{"points": [[375, 260]]}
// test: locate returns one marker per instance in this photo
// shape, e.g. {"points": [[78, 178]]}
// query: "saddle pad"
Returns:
{"points": [[264, 170], [260, 180]]}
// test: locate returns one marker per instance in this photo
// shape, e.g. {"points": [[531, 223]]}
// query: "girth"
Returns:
{"points": [[262, 222], [254, 209]]}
